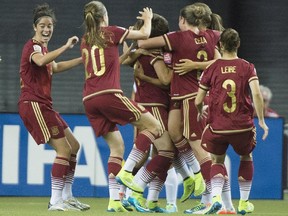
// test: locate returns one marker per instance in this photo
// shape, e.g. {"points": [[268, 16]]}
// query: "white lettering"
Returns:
{"points": [[10, 154], [37, 158], [94, 168]]}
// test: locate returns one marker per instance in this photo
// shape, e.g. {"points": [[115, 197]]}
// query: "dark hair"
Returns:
{"points": [[230, 40], [94, 13], [41, 11], [197, 13], [159, 25]]}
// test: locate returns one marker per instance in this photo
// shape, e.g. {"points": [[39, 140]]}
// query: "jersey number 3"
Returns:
{"points": [[230, 84]]}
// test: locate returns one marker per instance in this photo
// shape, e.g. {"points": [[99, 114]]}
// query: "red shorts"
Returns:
{"points": [[107, 110], [42, 121], [161, 114], [242, 143], [192, 129]]}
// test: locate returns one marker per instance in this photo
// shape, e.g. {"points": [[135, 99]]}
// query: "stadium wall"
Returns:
{"points": [[25, 167]]}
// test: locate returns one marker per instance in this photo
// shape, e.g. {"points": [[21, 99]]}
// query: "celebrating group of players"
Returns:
{"points": [[188, 115]]}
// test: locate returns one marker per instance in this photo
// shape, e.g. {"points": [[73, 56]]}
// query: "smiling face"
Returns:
{"points": [[44, 29]]}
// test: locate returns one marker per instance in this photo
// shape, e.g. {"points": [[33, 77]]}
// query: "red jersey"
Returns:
{"points": [[188, 45], [35, 81], [102, 66], [147, 93], [230, 104]]}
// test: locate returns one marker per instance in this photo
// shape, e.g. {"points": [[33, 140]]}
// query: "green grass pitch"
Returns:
{"points": [[37, 206]]}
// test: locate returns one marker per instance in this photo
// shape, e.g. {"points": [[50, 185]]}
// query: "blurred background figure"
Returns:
{"points": [[267, 97]]}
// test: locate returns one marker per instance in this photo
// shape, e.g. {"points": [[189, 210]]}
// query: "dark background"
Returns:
{"points": [[262, 26]]}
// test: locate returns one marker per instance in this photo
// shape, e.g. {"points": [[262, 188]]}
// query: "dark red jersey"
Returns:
{"points": [[148, 93], [230, 104], [188, 45], [35, 81], [102, 67]]}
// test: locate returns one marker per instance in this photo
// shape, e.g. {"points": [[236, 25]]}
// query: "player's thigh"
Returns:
{"points": [[72, 140], [115, 142], [244, 143], [175, 128]]}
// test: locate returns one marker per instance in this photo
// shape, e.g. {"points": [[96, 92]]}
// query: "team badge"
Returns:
{"points": [[54, 131]]}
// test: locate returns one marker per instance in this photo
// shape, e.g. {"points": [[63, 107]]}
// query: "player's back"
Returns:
{"points": [[196, 47], [230, 104]]}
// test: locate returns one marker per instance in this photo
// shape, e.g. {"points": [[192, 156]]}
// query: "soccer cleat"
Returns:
{"points": [[61, 206], [138, 201], [154, 207], [224, 211], [77, 204], [245, 207], [188, 187], [171, 208], [200, 185], [196, 209], [126, 178], [215, 206], [115, 206], [126, 205]]}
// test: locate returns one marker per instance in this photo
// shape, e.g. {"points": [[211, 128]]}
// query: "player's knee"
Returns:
{"points": [[157, 129], [75, 146]]}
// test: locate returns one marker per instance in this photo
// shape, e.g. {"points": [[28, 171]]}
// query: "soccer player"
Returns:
{"points": [[155, 98], [230, 120], [215, 23], [104, 102], [189, 43], [35, 107]]}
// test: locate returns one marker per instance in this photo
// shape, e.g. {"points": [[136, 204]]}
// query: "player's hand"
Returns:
{"points": [[138, 70], [146, 14], [184, 66], [263, 125], [127, 49], [72, 41], [203, 113]]}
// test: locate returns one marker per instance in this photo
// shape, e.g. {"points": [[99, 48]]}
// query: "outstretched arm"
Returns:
{"points": [[144, 32], [66, 65], [41, 60]]}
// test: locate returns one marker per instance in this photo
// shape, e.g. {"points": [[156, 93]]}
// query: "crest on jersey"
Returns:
{"points": [[54, 130], [37, 48]]}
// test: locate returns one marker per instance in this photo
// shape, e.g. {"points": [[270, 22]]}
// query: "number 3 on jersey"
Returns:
{"points": [[231, 94], [97, 70]]}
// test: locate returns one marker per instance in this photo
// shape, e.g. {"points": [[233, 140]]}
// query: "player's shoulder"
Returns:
{"points": [[32, 44], [246, 63], [114, 28], [212, 33]]}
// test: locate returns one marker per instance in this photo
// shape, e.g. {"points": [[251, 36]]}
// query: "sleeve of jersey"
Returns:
{"points": [[120, 34], [35, 48], [204, 82], [252, 73], [156, 58], [171, 40]]}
